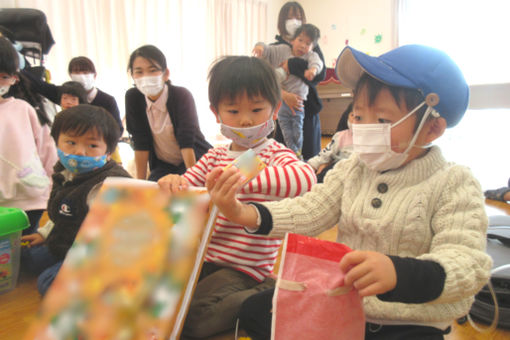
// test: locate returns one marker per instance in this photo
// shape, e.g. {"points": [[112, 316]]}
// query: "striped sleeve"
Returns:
{"points": [[284, 176], [215, 157]]}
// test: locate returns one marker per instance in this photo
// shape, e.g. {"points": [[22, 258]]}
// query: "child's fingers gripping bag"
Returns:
{"points": [[310, 302]]}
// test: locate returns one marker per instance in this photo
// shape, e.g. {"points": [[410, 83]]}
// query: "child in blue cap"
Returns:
{"points": [[416, 222]]}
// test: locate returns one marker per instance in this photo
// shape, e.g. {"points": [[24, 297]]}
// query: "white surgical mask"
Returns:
{"points": [[349, 125], [372, 142], [248, 137], [291, 25], [150, 86], [4, 89], [85, 79]]}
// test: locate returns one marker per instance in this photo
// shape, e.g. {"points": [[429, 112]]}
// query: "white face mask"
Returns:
{"points": [[248, 137], [150, 86], [372, 142], [291, 25], [85, 79], [4, 89]]}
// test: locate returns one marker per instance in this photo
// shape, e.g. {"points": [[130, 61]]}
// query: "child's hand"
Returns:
{"points": [[370, 272], [322, 167], [173, 183], [258, 50], [33, 239], [223, 186], [310, 73]]}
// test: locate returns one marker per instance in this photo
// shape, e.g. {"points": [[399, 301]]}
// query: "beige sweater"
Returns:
{"points": [[431, 210]]}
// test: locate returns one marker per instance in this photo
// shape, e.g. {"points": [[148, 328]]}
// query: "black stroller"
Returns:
{"points": [[28, 28]]}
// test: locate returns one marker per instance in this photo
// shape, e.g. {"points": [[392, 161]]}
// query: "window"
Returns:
{"points": [[475, 35]]}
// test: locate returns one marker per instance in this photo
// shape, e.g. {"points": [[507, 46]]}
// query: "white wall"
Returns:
{"points": [[357, 21]]}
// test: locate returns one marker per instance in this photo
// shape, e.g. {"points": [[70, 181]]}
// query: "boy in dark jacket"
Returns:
{"points": [[85, 135]]}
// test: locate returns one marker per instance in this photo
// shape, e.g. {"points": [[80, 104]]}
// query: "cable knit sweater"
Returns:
{"points": [[429, 209]]}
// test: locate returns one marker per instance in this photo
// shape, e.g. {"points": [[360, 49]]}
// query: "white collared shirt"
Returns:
{"points": [[165, 144]]}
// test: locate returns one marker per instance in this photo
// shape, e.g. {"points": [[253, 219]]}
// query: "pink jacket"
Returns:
{"points": [[27, 156]]}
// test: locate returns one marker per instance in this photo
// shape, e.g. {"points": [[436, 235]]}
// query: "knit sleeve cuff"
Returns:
{"points": [[418, 281], [265, 224]]}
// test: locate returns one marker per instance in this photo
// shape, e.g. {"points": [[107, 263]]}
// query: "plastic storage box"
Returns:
{"points": [[12, 222]]}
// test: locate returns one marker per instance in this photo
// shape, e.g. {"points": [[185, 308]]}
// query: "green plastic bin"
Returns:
{"points": [[12, 222]]}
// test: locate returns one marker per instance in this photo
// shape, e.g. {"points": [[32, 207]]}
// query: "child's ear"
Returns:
{"points": [[276, 110], [215, 113], [436, 128]]}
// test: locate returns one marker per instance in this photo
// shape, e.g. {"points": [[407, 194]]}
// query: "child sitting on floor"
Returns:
{"points": [[86, 135], [244, 97], [417, 223], [339, 148], [27, 152]]}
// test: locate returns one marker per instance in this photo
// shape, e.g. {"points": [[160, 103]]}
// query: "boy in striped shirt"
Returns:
{"points": [[244, 95]]}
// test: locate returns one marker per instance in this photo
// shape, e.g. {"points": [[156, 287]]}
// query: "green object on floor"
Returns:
{"points": [[12, 222]]}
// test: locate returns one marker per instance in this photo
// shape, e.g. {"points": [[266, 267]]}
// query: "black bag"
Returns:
{"points": [[498, 247]]}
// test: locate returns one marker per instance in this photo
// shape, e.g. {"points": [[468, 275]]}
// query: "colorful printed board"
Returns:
{"points": [[132, 269]]}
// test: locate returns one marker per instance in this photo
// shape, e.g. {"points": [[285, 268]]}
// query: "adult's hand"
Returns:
{"points": [[293, 101]]}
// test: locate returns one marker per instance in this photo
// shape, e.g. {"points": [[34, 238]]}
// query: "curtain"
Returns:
{"points": [[191, 34]]}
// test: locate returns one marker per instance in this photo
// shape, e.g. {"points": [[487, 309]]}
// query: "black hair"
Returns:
{"points": [[232, 76], [84, 117], [152, 54], [81, 64], [410, 97], [311, 31], [284, 13], [9, 59], [23, 90], [344, 118], [73, 88]]}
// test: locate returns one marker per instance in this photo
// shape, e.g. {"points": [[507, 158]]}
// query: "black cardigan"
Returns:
{"points": [[183, 114]]}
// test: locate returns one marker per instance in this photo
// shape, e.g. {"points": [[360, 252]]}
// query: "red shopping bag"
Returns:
{"points": [[309, 302]]}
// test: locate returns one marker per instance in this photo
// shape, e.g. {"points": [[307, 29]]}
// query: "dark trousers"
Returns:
{"points": [[255, 318], [33, 217]]}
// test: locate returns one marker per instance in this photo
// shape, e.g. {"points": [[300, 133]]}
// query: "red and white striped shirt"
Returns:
{"points": [[284, 176]]}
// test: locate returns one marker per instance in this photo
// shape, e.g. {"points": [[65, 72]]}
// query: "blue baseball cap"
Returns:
{"points": [[419, 67]]}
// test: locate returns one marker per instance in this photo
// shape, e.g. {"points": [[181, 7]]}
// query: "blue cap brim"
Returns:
{"points": [[352, 63]]}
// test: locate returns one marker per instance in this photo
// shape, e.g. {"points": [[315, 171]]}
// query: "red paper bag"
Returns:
{"points": [[309, 301]]}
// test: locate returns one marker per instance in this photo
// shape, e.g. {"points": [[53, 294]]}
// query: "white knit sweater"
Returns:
{"points": [[432, 210]]}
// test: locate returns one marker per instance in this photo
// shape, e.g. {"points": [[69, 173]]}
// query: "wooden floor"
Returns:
{"points": [[19, 307]]}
